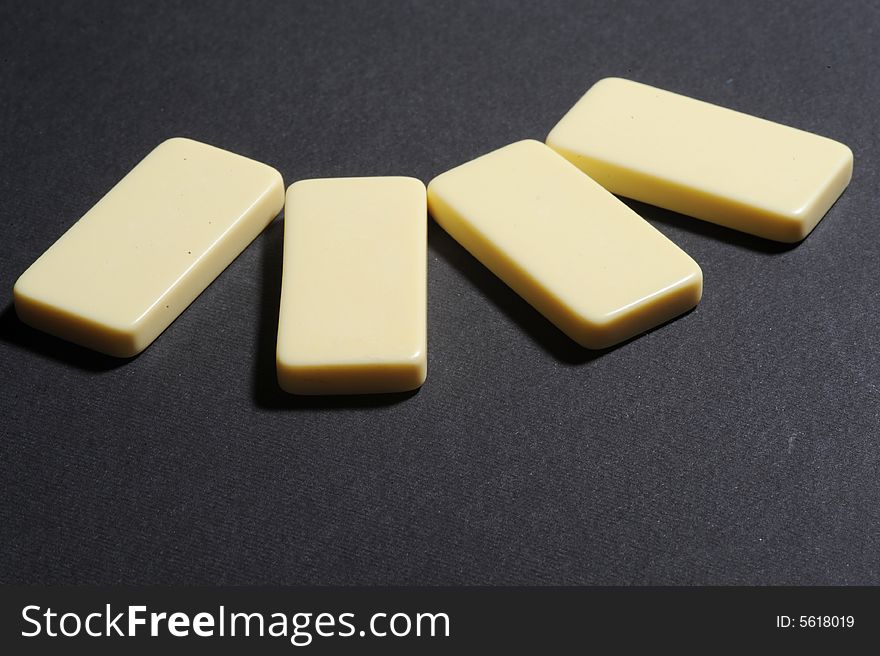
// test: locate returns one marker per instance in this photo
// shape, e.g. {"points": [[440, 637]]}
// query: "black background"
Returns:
{"points": [[738, 444]]}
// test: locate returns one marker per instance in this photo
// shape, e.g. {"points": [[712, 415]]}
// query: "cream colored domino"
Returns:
{"points": [[122, 273], [353, 296], [580, 256], [703, 160]]}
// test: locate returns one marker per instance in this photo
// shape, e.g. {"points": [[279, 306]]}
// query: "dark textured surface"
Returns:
{"points": [[739, 444]]}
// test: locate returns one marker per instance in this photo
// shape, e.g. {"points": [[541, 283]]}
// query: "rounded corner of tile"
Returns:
{"points": [[846, 153], [286, 376], [295, 185], [128, 351], [178, 141], [695, 290], [794, 226], [288, 386], [696, 276], [431, 189], [277, 180], [127, 341], [19, 289], [595, 341], [530, 142], [592, 334], [415, 380], [689, 291], [610, 80], [283, 361], [412, 182], [417, 386], [23, 309], [418, 363], [527, 144], [552, 139]]}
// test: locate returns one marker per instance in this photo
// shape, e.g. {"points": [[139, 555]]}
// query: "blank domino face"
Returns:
{"points": [[353, 297], [706, 161], [581, 257], [122, 273]]}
